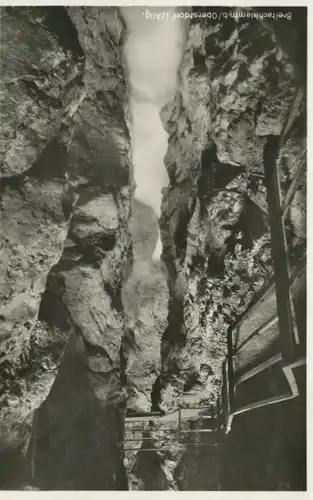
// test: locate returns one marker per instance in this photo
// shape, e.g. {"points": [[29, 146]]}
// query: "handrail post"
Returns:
{"points": [[279, 247], [230, 369]]}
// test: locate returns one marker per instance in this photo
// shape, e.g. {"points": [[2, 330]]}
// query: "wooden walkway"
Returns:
{"points": [[267, 346]]}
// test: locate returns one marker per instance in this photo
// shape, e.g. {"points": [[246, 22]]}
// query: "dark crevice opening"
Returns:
{"points": [[155, 395], [51, 164], [57, 20], [60, 24], [180, 236]]}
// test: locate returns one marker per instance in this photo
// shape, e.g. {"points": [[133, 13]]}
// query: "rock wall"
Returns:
{"points": [[238, 79], [236, 86], [65, 205]]}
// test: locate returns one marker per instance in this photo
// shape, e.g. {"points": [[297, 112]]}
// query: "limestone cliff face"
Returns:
{"points": [[145, 306], [236, 86], [42, 61], [65, 203]]}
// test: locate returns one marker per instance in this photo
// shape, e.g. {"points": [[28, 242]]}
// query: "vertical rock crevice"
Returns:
{"points": [[152, 79]]}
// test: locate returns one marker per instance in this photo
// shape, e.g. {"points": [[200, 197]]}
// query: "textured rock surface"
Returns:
{"points": [[65, 205], [145, 302], [236, 87], [41, 62], [145, 297]]}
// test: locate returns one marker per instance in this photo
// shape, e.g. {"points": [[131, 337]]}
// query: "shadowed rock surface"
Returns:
{"points": [[64, 218]]}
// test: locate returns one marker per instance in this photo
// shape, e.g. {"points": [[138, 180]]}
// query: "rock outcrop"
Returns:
{"points": [[237, 84], [145, 305], [65, 205], [236, 87]]}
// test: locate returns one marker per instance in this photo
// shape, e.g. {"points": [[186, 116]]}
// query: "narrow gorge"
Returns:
{"points": [[133, 224]]}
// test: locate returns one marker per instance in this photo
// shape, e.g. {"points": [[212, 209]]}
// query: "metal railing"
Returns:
{"points": [[281, 284], [158, 433]]}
